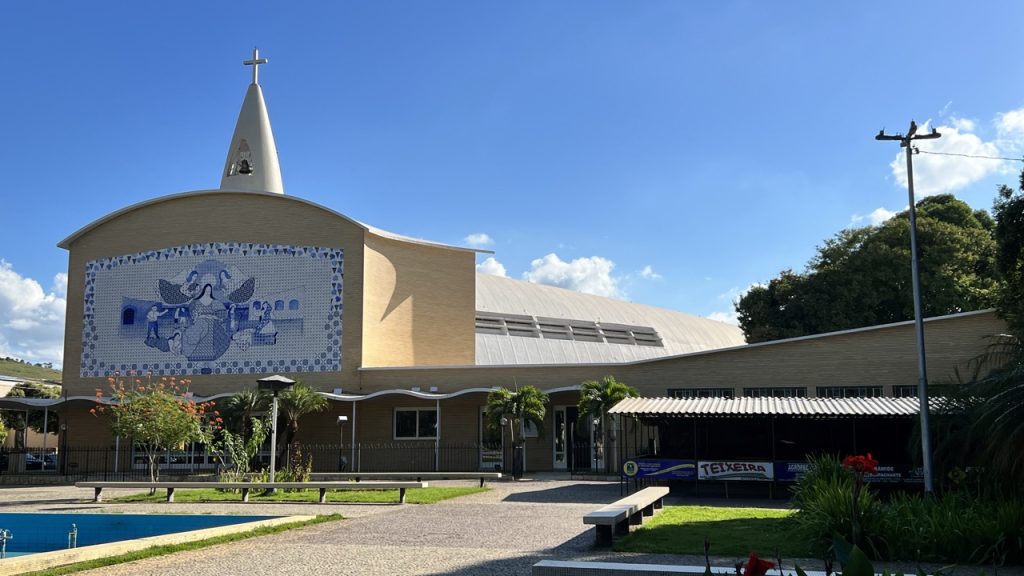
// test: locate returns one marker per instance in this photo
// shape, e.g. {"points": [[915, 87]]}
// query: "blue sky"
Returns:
{"points": [[667, 152]]}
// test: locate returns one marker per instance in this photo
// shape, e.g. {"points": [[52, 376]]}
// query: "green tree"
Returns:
{"points": [[525, 405], [157, 416], [19, 420], [235, 452], [1009, 234], [861, 276], [239, 409], [294, 403], [596, 398]]}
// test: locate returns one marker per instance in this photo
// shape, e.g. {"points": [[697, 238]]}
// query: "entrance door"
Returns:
{"points": [[561, 438], [490, 446], [571, 439]]}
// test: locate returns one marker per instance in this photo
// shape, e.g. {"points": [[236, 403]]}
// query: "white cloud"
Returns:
{"points": [[649, 273], [492, 266], [963, 124], [1010, 125], [732, 295], [730, 317], [31, 319], [478, 240], [591, 275], [937, 174], [876, 217]]}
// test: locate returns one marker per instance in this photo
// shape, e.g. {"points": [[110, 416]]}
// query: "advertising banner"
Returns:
{"points": [[790, 471], [885, 475], [734, 470], [660, 468]]}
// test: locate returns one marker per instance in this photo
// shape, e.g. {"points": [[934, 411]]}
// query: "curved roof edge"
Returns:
{"points": [[66, 243], [47, 402], [676, 356]]}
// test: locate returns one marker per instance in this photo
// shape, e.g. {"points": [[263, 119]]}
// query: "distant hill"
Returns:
{"points": [[18, 369]]}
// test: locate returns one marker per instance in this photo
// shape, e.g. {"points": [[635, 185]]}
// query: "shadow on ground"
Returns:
{"points": [[574, 494]]}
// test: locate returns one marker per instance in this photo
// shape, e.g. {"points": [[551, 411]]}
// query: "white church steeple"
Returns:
{"points": [[252, 164]]}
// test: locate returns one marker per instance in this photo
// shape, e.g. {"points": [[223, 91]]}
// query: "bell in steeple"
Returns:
{"points": [[252, 164]]}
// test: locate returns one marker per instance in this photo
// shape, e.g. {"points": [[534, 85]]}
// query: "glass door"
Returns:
{"points": [[561, 435], [490, 446]]}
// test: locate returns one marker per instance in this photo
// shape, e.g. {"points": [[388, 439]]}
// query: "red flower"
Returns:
{"points": [[757, 567], [861, 464]]}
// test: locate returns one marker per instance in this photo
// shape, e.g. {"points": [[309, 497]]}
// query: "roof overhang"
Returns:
{"points": [[787, 407]]}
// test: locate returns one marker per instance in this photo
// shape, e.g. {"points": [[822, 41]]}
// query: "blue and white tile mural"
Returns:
{"points": [[216, 308]]}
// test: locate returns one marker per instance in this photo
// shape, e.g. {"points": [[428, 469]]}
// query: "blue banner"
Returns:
{"points": [[660, 468], [790, 471]]}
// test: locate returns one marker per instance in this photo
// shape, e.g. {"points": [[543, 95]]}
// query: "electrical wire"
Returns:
{"points": [[971, 156]]}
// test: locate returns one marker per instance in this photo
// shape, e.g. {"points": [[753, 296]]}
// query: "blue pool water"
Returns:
{"points": [[44, 532]]}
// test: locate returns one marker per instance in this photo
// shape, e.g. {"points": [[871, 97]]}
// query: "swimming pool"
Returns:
{"points": [[40, 532]]}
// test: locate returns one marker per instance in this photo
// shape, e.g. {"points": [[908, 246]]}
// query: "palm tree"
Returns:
{"points": [[294, 403], [597, 397], [995, 408], [239, 409], [526, 404]]}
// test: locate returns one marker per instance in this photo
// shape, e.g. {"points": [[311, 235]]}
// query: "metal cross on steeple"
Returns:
{"points": [[255, 63]]}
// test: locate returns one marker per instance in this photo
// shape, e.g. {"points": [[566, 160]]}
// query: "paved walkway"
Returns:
{"points": [[503, 531]]}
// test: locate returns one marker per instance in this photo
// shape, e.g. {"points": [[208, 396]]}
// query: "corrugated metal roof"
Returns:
{"points": [[680, 333], [798, 407]]}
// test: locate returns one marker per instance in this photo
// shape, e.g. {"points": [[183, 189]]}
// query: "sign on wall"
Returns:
{"points": [[660, 468], [215, 308], [734, 470]]}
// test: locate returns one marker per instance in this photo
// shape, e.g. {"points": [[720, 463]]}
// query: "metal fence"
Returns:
{"points": [[124, 463]]}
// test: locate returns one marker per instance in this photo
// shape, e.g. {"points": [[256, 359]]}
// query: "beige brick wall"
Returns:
{"points": [[420, 305], [219, 217], [880, 356]]}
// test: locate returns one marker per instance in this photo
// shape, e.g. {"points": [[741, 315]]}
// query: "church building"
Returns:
{"points": [[403, 336]]}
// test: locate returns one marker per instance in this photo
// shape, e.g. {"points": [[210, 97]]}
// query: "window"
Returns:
{"points": [[415, 423], [776, 392], [293, 304], [564, 329], [701, 392], [849, 391], [904, 391], [279, 305], [128, 316]]}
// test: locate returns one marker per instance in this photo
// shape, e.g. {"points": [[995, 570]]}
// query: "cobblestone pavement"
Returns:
{"points": [[503, 531]]}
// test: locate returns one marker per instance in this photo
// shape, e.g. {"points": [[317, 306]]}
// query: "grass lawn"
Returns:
{"points": [[732, 532], [170, 549], [412, 496]]}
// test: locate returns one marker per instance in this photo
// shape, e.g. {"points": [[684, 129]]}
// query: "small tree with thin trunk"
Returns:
{"points": [[526, 404], [597, 397], [157, 416], [296, 402]]}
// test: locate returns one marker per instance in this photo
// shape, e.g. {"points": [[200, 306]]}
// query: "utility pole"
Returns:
{"points": [[922, 371]]}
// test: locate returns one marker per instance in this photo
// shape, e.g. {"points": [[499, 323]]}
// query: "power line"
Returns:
{"points": [[971, 156]]}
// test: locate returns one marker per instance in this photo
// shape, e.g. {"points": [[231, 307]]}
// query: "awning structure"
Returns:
{"points": [[793, 407]]}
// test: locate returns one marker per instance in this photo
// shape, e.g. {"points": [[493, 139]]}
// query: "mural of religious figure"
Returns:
{"points": [[214, 308], [205, 301]]}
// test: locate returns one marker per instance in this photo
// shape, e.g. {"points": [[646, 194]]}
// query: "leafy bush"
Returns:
{"points": [[957, 526], [824, 497]]}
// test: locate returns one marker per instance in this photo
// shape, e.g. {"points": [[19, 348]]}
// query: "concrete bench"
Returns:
{"points": [[615, 518], [245, 487], [417, 476], [577, 568]]}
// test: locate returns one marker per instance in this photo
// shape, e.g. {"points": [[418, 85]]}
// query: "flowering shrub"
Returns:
{"points": [[157, 415], [756, 566], [859, 465]]}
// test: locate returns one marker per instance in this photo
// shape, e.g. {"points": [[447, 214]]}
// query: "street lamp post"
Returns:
{"points": [[922, 372], [275, 384]]}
